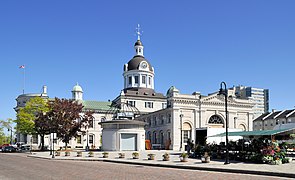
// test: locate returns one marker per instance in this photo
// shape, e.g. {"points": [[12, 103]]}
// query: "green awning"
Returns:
{"points": [[255, 133]]}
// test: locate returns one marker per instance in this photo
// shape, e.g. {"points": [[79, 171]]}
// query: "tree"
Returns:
{"points": [[43, 125], [9, 125], [66, 118], [27, 116]]}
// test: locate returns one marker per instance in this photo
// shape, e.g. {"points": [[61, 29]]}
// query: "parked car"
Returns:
{"points": [[9, 149], [3, 145]]}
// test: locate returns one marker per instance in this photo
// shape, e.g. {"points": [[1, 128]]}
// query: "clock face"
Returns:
{"points": [[143, 65]]}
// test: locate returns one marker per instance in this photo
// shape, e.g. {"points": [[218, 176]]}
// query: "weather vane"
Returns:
{"points": [[138, 32]]}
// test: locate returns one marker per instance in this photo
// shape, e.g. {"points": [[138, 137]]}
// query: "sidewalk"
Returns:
{"points": [[284, 170]]}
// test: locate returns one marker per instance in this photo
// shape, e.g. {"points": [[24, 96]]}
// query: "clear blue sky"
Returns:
{"points": [[193, 45]]}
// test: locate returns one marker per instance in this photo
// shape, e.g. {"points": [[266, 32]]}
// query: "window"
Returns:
{"points": [[131, 103], [186, 136], [155, 138], [136, 79], [155, 121], [149, 104], [78, 139], [143, 79], [164, 105], [162, 119], [129, 80], [149, 121], [91, 139], [150, 80], [90, 123], [103, 119], [215, 120], [169, 118]]}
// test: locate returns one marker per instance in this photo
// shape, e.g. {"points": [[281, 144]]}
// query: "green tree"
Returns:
{"points": [[8, 124], [66, 118], [26, 117]]}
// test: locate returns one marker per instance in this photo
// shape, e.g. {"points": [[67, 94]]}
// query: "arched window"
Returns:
{"points": [[149, 136], [161, 138], [215, 120], [243, 127], [154, 137]]}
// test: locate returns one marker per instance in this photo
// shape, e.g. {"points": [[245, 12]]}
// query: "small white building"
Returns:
{"points": [[122, 132]]}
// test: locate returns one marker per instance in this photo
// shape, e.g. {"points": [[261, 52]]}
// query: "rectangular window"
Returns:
{"points": [[143, 79], [149, 104], [90, 124], [131, 103], [169, 118], [78, 139], [150, 80], [129, 80], [91, 139], [164, 105], [186, 136], [136, 79]]}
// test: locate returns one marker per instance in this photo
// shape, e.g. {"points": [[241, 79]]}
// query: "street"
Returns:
{"points": [[18, 166]]}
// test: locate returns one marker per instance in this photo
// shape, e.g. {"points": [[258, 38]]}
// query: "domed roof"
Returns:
{"points": [[77, 88], [171, 89], [138, 43], [134, 63]]}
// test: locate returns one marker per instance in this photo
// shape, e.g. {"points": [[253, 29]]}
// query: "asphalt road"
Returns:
{"points": [[18, 166]]}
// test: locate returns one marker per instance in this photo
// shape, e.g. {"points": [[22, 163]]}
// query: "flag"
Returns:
{"points": [[22, 67]]}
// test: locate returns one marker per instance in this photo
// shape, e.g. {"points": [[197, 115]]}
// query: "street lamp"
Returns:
{"points": [[10, 129], [87, 144], [181, 115], [224, 92]]}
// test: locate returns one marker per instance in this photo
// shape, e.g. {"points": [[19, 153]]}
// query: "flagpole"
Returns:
{"points": [[24, 79]]}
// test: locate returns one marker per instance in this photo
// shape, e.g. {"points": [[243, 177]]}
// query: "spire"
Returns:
{"points": [[138, 45], [138, 32]]}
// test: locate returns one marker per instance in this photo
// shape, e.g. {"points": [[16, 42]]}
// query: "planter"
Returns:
{"points": [[151, 156], [67, 153], [205, 159], [57, 153], [105, 154], [166, 157], [79, 154], [135, 155], [121, 155], [90, 154], [183, 159]]}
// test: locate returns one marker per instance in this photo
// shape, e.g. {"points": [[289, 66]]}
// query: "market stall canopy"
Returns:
{"points": [[258, 133]]}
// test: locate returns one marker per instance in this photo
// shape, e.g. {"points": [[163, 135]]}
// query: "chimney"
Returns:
{"points": [[273, 110]]}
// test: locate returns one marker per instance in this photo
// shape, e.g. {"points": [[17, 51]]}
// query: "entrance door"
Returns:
{"points": [[128, 142]]}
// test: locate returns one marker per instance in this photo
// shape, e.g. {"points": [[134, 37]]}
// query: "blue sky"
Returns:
{"points": [[193, 45]]}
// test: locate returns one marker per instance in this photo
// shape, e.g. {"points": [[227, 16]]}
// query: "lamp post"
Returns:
{"points": [[53, 138], [87, 144], [181, 115], [10, 129], [224, 92]]}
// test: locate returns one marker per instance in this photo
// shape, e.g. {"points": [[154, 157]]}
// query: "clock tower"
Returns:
{"points": [[138, 72]]}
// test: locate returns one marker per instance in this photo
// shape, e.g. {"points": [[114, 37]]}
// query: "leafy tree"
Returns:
{"points": [[28, 115], [43, 125], [9, 125], [66, 118]]}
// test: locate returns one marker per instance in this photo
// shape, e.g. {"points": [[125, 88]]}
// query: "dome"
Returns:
{"points": [[77, 88], [134, 63], [171, 90], [138, 43]]}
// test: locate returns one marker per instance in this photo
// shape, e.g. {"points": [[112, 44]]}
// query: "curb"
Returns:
{"points": [[239, 171]]}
